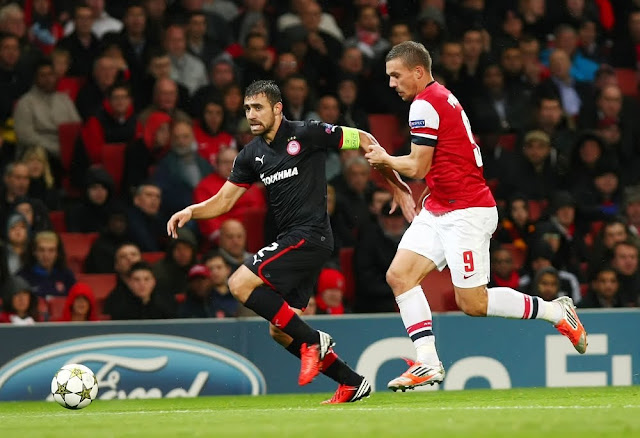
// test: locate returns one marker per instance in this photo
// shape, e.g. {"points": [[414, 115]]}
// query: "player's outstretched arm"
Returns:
{"points": [[216, 205], [415, 165]]}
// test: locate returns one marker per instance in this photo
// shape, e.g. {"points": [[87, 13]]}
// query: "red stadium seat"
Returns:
{"points": [[57, 219], [101, 285], [627, 81], [507, 141], [56, 307], [68, 133], [536, 208], [153, 257], [439, 291], [385, 128], [76, 247], [346, 266], [113, 161]]}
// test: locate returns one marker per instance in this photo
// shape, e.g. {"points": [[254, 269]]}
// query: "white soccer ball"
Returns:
{"points": [[74, 386]]}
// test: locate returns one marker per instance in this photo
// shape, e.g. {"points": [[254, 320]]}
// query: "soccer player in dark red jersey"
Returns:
{"points": [[455, 223], [289, 158]]}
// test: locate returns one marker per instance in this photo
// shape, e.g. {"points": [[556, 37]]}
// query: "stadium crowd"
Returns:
{"points": [[115, 114]]}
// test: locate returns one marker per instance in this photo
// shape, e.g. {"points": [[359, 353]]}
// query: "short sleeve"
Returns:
{"points": [[424, 122], [324, 135], [242, 173]]}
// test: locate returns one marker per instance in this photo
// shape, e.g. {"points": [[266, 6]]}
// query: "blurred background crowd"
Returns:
{"points": [[115, 114]]}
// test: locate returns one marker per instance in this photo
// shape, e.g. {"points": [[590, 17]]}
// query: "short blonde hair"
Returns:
{"points": [[39, 153]]}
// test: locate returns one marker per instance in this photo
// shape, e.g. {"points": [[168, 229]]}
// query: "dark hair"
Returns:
{"points": [[119, 86], [157, 52], [412, 54], [197, 13], [140, 266], [44, 62], [214, 255], [268, 88]]}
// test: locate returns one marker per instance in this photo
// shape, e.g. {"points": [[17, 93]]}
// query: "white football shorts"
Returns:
{"points": [[459, 238]]}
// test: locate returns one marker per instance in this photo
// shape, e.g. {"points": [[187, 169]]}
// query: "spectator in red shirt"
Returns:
{"points": [[210, 136], [209, 186], [80, 304]]}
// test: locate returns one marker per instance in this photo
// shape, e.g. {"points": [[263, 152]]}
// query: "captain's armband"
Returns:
{"points": [[350, 138]]}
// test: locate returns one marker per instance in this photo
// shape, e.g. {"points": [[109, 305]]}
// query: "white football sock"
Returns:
{"points": [[416, 315], [509, 303]]}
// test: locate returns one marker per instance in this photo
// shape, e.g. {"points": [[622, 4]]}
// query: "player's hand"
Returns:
{"points": [[377, 156], [404, 200], [177, 221]]}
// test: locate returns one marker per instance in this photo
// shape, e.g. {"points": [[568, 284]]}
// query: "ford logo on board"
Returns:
{"points": [[135, 366]]}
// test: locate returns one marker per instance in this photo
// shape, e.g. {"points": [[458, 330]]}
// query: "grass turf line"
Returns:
{"points": [[515, 413]]}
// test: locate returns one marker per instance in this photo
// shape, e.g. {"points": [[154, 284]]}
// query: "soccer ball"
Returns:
{"points": [[74, 386]]}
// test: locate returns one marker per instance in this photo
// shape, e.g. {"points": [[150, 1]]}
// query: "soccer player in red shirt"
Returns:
{"points": [[456, 223]]}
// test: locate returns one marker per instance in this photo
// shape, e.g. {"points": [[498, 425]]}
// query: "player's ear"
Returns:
{"points": [[277, 108]]}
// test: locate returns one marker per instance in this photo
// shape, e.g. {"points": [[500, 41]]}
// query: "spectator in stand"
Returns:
{"points": [[546, 284], [92, 96], [209, 133], [171, 272], [516, 228], [90, 214], [625, 262], [198, 302], [6, 279], [80, 305], [253, 198], [352, 114], [14, 81], [604, 291], [494, 109], [625, 53], [199, 44], [257, 61], [329, 292], [602, 197], [185, 68], [233, 99], [114, 122], [218, 30], [612, 232], [42, 184], [17, 243], [103, 250], [142, 300], [564, 223], [368, 36], [144, 153], [232, 243], [12, 22], [374, 250], [451, 68], [40, 112], [20, 305], [38, 219], [125, 257], [165, 99], [474, 58], [180, 171], [296, 98], [44, 29], [14, 190], [432, 30], [310, 12], [534, 174], [503, 273], [159, 67], [136, 43], [516, 80], [46, 268], [82, 43], [566, 39], [155, 10], [147, 226], [534, 70], [587, 155], [224, 302], [351, 197], [285, 66], [632, 209], [102, 22], [221, 74], [542, 255]]}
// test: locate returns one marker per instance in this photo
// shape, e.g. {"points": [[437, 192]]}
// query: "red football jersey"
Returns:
{"points": [[455, 179]]}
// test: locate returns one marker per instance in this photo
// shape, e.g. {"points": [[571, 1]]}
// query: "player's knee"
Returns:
{"points": [[396, 281], [472, 302]]}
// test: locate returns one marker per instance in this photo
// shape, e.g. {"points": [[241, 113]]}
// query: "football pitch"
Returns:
{"points": [[515, 413]]}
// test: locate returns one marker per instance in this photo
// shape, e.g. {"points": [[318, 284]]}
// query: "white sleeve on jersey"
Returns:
{"points": [[424, 120]]}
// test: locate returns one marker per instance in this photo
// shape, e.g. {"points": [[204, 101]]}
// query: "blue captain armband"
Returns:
{"points": [[350, 138]]}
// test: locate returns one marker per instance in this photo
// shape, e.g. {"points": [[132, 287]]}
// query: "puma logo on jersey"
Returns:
{"points": [[283, 174], [260, 159], [256, 259]]}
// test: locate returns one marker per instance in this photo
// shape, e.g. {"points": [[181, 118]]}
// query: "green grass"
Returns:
{"points": [[516, 413]]}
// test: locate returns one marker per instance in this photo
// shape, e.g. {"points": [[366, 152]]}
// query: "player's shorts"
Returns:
{"points": [[290, 266], [459, 238]]}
